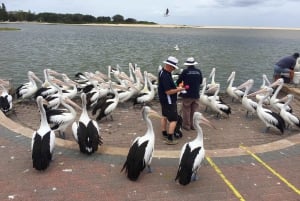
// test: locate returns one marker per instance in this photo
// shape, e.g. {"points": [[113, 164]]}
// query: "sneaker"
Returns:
{"points": [[171, 142], [164, 136]]}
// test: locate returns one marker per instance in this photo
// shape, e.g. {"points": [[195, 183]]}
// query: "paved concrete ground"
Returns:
{"points": [[74, 176], [268, 170]]}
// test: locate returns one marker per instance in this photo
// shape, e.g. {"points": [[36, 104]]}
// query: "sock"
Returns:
{"points": [[164, 133], [170, 137]]}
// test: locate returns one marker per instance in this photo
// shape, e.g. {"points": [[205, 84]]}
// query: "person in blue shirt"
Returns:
{"points": [[191, 79], [286, 65], [167, 93]]}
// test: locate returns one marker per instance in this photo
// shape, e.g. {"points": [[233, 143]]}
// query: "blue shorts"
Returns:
{"points": [[169, 111], [278, 70]]}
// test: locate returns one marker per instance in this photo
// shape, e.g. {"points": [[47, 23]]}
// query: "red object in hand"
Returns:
{"points": [[187, 86]]}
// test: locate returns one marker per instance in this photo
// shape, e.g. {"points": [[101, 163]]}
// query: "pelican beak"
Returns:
{"points": [[45, 102], [119, 87], [264, 90], [277, 82], [58, 82], [284, 99], [154, 114], [207, 122], [243, 85], [212, 72], [53, 72], [69, 101], [38, 79]]}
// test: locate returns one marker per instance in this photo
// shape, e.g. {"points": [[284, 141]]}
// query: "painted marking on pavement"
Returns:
{"points": [[295, 189], [228, 183]]}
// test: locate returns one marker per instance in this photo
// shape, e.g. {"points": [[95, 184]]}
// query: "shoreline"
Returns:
{"points": [[167, 26]]}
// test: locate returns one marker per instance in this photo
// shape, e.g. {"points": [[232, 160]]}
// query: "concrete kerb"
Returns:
{"points": [[112, 150]]}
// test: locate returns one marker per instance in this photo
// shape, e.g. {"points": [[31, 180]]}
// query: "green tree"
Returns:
{"points": [[118, 18], [130, 20], [3, 13], [103, 19]]}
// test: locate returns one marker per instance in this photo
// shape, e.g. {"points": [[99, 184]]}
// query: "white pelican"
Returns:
{"points": [[71, 90], [192, 153], [233, 92], [107, 104], [60, 118], [269, 118], [274, 101], [5, 100], [216, 105], [266, 83], [27, 90], [125, 95], [212, 83], [141, 150], [248, 103], [46, 88], [86, 131], [43, 141], [147, 93], [203, 97], [289, 118]]}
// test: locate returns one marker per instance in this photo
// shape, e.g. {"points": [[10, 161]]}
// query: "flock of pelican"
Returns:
{"points": [[101, 93]]}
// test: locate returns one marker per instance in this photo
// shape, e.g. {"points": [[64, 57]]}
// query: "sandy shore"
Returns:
{"points": [[170, 26]]}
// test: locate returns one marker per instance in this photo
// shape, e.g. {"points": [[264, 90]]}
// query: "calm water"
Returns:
{"points": [[71, 49]]}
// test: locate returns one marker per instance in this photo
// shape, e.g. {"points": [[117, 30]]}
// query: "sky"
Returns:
{"points": [[253, 13]]}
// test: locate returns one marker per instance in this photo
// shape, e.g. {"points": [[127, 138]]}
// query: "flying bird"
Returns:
{"points": [[166, 13]]}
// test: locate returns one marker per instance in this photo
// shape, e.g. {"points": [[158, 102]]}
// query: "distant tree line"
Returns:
{"points": [[14, 16]]}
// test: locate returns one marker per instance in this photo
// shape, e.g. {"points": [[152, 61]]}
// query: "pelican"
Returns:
{"points": [[203, 97], [269, 118], [266, 83], [274, 101], [46, 88], [5, 100], [289, 118], [218, 106], [141, 150], [233, 92], [212, 83], [69, 92], [146, 95], [106, 105], [192, 153], [27, 90], [60, 118], [86, 131], [43, 141], [248, 103]]}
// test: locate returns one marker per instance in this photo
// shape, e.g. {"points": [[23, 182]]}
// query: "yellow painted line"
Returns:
{"points": [[272, 170], [228, 183]]}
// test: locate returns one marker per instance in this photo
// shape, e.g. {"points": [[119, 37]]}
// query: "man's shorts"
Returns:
{"points": [[169, 111]]}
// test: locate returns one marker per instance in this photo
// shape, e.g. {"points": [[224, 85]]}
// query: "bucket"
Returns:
{"points": [[296, 78]]}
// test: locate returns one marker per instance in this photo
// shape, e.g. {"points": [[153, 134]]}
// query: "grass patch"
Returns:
{"points": [[9, 29]]}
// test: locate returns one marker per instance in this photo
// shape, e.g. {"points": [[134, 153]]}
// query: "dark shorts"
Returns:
{"points": [[169, 111]]}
